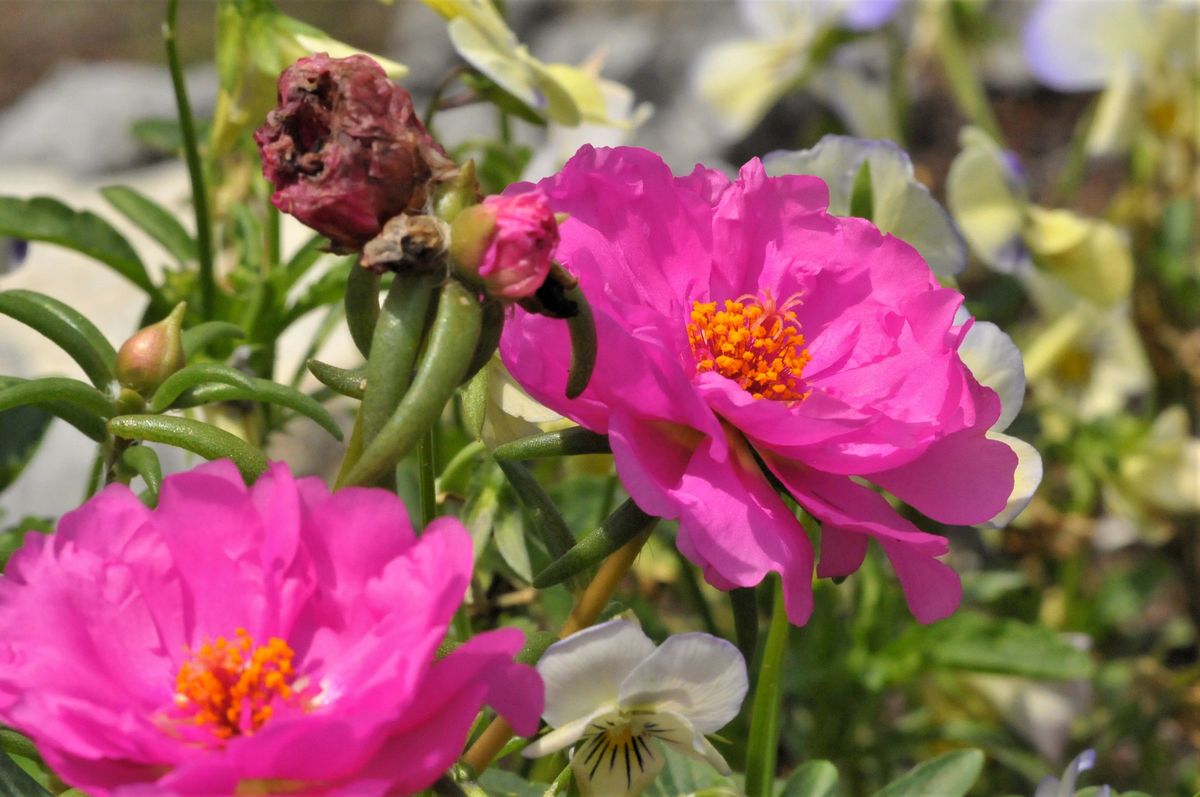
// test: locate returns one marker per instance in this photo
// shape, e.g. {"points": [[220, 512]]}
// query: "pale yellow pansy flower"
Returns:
{"points": [[561, 93], [1164, 470], [987, 195], [740, 80], [615, 699], [1140, 53]]}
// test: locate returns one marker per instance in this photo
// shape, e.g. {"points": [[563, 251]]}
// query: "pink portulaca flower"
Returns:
{"points": [[276, 640], [747, 337]]}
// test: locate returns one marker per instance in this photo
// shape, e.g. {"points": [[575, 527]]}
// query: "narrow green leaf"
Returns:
{"points": [[489, 337], [582, 329], [263, 390], [82, 419], [22, 430], [619, 528], [304, 259], [763, 745], [46, 219], [399, 332], [54, 389], [326, 290], [155, 220], [548, 522], [813, 779], [980, 643], [143, 461], [352, 383], [193, 375], [15, 782], [475, 403], [192, 435], [450, 345], [198, 337], [565, 443], [67, 328], [362, 307], [862, 202], [949, 775], [509, 533]]}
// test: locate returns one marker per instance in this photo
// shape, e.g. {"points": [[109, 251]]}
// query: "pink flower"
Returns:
{"points": [[518, 255], [746, 337], [345, 149], [272, 640]]}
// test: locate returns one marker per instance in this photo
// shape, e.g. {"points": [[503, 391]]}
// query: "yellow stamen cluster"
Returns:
{"points": [[752, 341], [231, 688]]}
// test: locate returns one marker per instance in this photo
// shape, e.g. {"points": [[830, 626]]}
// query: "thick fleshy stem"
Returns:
{"points": [[398, 334], [762, 747], [451, 343], [587, 609], [191, 150]]}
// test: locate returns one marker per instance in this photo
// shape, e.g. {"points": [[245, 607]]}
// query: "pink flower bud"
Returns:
{"points": [[516, 257], [345, 149]]}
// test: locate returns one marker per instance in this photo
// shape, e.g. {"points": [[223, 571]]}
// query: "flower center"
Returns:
{"points": [[232, 688], [753, 341]]}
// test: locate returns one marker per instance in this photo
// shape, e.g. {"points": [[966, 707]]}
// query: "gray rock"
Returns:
{"points": [[79, 118]]}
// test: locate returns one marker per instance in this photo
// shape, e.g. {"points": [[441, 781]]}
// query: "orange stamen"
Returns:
{"points": [[232, 688], [752, 341]]}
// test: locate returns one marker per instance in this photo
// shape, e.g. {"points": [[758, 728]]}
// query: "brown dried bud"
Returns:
{"points": [[407, 243], [152, 354], [345, 149]]}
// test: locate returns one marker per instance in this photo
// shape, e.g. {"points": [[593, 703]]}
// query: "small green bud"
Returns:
{"points": [[153, 354], [470, 236], [454, 195]]}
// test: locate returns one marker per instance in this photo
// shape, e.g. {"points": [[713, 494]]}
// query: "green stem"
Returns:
{"points": [[459, 465], [964, 83], [763, 746], [399, 332], [426, 476], [191, 150], [691, 587], [745, 620]]}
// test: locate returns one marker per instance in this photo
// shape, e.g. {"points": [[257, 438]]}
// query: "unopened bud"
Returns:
{"points": [[152, 354], [507, 243], [345, 149]]}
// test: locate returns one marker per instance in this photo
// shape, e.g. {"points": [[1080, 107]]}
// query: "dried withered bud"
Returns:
{"points": [[415, 242], [345, 149]]}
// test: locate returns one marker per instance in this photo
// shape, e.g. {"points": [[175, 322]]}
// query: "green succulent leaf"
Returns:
{"points": [[48, 220], [265, 391], [191, 376], [67, 328], [619, 528], [564, 443], [53, 390], [812, 779], [195, 436], [16, 782], [949, 775], [143, 461], [155, 220]]}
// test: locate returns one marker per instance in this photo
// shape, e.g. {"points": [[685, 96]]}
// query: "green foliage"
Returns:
{"points": [[948, 775]]}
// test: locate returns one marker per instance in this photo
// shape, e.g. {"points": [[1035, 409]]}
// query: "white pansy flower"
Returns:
{"points": [[616, 698], [900, 204], [995, 362], [1053, 787]]}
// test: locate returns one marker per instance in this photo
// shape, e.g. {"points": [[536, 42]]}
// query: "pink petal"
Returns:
{"points": [[734, 526], [964, 478], [931, 589]]}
